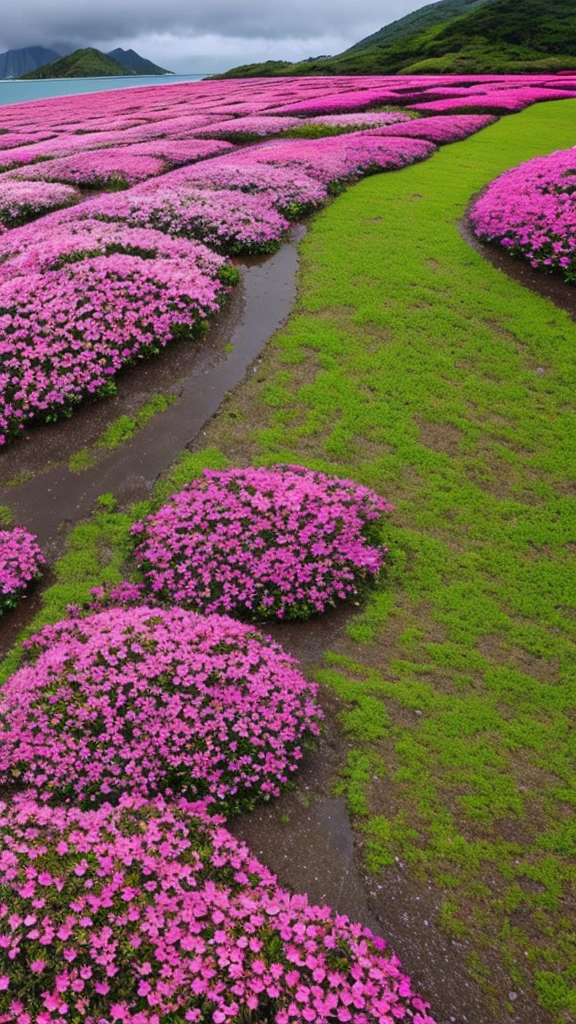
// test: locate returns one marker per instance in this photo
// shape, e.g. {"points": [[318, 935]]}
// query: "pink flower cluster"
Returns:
{"points": [[452, 128], [496, 101], [229, 221], [342, 158], [151, 913], [66, 332], [100, 168], [248, 129], [339, 102], [75, 240], [8, 140], [22, 200], [284, 542], [290, 192], [148, 701], [21, 562], [357, 121], [531, 211], [177, 152]]}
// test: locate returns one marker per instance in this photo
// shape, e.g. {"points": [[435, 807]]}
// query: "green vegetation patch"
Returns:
{"points": [[414, 366], [119, 432], [453, 37]]}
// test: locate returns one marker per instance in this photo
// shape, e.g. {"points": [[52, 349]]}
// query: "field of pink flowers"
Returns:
{"points": [[120, 900], [182, 157]]}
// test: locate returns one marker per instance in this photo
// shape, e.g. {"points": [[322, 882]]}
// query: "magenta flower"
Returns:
{"points": [[65, 333], [21, 201], [171, 917], [284, 542], [21, 562], [147, 701]]}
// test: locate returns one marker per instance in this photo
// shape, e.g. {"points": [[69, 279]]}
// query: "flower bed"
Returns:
{"points": [[357, 121], [180, 151], [22, 200], [342, 158], [10, 140], [248, 129], [21, 562], [65, 333], [339, 103], [99, 168], [150, 913], [285, 542], [76, 240], [531, 212], [291, 192], [148, 701], [229, 221], [440, 130], [493, 101]]}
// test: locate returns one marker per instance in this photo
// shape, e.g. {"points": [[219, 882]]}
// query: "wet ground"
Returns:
{"points": [[549, 286], [51, 496]]}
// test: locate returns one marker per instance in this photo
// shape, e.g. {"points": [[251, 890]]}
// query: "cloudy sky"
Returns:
{"points": [[189, 36]]}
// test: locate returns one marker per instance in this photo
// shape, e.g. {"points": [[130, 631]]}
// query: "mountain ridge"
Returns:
{"points": [[418, 21], [495, 37], [85, 63], [16, 63]]}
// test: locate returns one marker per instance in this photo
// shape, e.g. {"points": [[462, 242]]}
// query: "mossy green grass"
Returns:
{"points": [[414, 366]]}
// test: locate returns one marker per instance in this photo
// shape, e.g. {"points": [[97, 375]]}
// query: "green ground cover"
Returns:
{"points": [[412, 365]]}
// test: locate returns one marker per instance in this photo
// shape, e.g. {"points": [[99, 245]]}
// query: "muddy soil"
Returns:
{"points": [[549, 286], [201, 373]]}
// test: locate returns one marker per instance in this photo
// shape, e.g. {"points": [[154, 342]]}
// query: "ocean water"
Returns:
{"points": [[18, 92]]}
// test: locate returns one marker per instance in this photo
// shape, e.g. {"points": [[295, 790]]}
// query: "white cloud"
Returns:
{"points": [[202, 35]]}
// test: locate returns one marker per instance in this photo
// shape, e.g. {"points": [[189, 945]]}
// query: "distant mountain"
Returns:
{"points": [[132, 60], [15, 63], [494, 36], [417, 22], [87, 63]]}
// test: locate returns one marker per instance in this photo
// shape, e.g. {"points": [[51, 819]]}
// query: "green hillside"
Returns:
{"points": [[417, 22], [134, 62], [88, 63], [499, 36]]}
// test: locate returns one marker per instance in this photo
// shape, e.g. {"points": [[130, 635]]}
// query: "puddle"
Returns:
{"points": [[201, 373]]}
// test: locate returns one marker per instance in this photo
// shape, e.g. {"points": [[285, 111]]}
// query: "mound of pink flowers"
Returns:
{"points": [[71, 241], [23, 200], [148, 701], [492, 101], [65, 333], [441, 130], [359, 120], [290, 192], [247, 129], [284, 542], [101, 168], [342, 158], [531, 211], [151, 913], [229, 221], [21, 562]]}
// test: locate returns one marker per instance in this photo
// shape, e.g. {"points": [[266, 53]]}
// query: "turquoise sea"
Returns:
{"points": [[17, 92]]}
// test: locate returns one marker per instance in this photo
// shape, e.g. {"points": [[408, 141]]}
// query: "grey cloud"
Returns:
{"points": [[85, 21]]}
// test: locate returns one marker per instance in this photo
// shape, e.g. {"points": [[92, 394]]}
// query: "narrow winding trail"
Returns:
{"points": [[412, 365]]}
